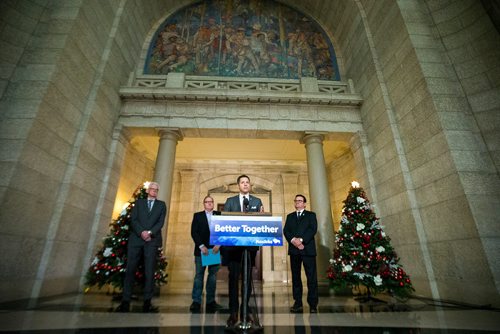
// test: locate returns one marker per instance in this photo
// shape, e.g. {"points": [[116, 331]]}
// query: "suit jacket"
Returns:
{"points": [[234, 253], [200, 231], [233, 204], [304, 227], [145, 220]]}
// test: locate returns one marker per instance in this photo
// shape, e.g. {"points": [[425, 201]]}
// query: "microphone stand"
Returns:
{"points": [[244, 324]]}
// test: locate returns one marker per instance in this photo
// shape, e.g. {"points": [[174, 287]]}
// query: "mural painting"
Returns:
{"points": [[251, 38]]}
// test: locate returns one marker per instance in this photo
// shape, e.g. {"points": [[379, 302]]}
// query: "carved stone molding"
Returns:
{"points": [[179, 87]]}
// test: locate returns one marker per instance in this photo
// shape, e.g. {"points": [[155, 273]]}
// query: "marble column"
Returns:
{"points": [[164, 168], [319, 200]]}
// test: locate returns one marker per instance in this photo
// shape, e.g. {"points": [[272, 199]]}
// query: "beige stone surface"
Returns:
{"points": [[427, 74]]}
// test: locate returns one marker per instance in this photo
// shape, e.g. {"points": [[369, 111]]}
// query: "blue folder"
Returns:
{"points": [[210, 258]]}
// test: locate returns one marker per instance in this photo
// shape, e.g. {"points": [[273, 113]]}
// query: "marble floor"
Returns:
{"points": [[92, 313]]}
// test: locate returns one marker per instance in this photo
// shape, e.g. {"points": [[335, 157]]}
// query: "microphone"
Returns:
{"points": [[245, 204]]}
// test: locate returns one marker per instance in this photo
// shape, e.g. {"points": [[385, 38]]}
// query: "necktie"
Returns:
{"points": [[150, 204], [244, 207], [298, 214]]}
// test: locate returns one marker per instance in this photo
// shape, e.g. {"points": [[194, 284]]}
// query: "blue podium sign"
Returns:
{"points": [[246, 231]]}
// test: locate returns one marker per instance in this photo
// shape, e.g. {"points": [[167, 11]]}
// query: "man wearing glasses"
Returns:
{"points": [[300, 228], [147, 219], [200, 232]]}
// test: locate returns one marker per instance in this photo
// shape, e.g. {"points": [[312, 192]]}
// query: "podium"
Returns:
{"points": [[246, 229]]}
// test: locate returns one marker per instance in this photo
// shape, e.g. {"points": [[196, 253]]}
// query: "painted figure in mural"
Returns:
{"points": [[216, 31], [202, 42], [176, 52], [299, 49], [224, 46], [262, 46], [239, 47]]}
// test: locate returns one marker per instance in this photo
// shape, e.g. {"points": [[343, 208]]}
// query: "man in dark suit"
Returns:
{"points": [[200, 232], [147, 219], [300, 228], [243, 202]]}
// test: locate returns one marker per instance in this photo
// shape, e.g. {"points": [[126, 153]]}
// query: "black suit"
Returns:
{"points": [[200, 231], [143, 220], [234, 254], [305, 228]]}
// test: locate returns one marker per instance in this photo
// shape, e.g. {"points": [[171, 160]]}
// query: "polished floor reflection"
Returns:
{"points": [[92, 313]]}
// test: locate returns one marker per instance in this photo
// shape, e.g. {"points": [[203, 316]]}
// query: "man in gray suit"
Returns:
{"points": [[147, 219], [243, 202]]}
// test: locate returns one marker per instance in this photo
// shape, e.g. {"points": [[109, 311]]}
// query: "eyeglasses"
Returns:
{"points": [[298, 200], [208, 201], [155, 189]]}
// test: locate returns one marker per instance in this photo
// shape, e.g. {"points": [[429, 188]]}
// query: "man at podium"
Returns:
{"points": [[243, 202]]}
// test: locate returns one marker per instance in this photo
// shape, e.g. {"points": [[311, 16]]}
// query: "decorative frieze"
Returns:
{"points": [[177, 86]]}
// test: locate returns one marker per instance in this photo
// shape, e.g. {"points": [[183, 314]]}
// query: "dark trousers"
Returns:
{"points": [[235, 270], [134, 254], [309, 263]]}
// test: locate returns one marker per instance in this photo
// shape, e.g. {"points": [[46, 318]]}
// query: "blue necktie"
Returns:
{"points": [[150, 204]]}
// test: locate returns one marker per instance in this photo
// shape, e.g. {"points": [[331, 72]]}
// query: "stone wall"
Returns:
{"points": [[470, 49], [62, 65], [428, 74]]}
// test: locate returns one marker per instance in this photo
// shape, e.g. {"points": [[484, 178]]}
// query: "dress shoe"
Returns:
{"points": [[124, 307], [313, 310], [232, 321], [149, 308], [195, 307], [213, 307], [296, 308]]}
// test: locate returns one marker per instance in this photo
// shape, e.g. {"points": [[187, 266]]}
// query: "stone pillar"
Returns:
{"points": [[363, 171], [164, 168], [320, 198]]}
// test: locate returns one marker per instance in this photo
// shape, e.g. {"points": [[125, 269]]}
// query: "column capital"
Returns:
{"points": [[313, 137], [170, 133]]}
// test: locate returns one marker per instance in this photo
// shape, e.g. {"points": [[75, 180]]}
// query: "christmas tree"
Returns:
{"points": [[108, 266], [364, 255]]}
